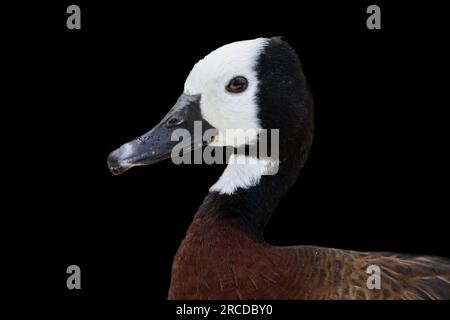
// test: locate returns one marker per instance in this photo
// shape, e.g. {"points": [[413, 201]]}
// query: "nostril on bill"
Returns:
{"points": [[173, 122]]}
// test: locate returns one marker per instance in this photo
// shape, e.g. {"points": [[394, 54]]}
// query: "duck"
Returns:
{"points": [[259, 84]]}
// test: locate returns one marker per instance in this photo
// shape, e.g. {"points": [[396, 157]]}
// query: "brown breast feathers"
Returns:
{"points": [[219, 260]]}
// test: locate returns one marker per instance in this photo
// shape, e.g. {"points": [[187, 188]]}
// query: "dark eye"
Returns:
{"points": [[237, 84]]}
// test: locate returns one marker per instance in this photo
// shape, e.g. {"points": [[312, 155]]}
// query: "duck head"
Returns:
{"points": [[254, 84]]}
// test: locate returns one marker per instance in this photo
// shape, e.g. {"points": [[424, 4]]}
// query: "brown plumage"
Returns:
{"points": [[218, 259]]}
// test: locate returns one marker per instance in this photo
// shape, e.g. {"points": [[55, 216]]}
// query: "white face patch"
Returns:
{"points": [[210, 76], [226, 110]]}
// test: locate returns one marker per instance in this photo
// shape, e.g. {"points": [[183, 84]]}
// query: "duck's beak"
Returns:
{"points": [[157, 144]]}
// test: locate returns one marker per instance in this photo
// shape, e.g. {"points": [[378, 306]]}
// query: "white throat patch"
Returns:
{"points": [[243, 172]]}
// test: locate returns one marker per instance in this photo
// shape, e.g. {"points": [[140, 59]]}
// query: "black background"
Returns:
{"points": [[376, 180]]}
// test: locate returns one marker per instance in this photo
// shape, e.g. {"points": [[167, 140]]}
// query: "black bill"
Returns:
{"points": [[157, 144]]}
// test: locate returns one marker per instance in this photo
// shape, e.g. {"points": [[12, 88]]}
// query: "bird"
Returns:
{"points": [[259, 84]]}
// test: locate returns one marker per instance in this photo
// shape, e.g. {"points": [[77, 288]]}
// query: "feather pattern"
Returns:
{"points": [[219, 260]]}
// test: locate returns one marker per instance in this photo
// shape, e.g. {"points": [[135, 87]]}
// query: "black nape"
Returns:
{"points": [[285, 103]]}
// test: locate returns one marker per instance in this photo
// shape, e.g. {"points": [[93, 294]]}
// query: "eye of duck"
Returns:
{"points": [[237, 84]]}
